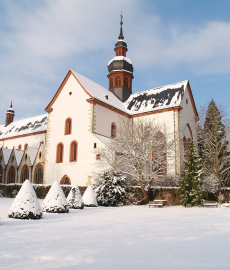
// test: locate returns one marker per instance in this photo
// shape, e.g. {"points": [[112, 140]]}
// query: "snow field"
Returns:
{"points": [[130, 237]]}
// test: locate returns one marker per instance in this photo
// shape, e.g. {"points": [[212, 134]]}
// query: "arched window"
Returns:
{"points": [[65, 180], [1, 173], [11, 175], [113, 130], [60, 152], [118, 81], [68, 126], [111, 83], [25, 146], [73, 151], [126, 82], [20, 146], [38, 174], [24, 173]]}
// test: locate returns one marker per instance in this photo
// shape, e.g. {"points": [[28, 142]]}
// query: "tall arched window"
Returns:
{"points": [[111, 83], [60, 153], [24, 173], [73, 151], [1, 173], [20, 146], [113, 130], [11, 175], [25, 146], [126, 82], [118, 81], [68, 126], [65, 180], [38, 174]]}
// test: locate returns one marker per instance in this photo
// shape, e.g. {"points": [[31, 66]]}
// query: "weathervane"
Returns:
{"points": [[121, 31], [121, 16]]}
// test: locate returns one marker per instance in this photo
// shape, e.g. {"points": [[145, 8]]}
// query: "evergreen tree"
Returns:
{"points": [[110, 188], [215, 155], [190, 185], [74, 198]]}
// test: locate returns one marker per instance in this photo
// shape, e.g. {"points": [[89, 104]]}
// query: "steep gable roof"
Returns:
{"points": [[6, 154], [18, 155], [32, 153]]}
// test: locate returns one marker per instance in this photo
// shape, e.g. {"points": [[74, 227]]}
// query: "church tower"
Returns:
{"points": [[9, 115], [120, 70]]}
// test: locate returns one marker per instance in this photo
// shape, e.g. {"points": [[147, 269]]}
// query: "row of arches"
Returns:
{"points": [[25, 146], [72, 153], [38, 174], [118, 83]]}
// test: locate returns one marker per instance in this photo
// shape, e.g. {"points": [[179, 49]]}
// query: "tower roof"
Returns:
{"points": [[10, 110]]}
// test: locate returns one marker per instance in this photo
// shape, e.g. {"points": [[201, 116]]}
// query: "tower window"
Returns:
{"points": [[111, 83], [126, 82], [68, 126], [118, 81]]}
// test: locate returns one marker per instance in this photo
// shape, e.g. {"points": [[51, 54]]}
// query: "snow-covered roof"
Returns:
{"points": [[156, 98], [118, 58], [6, 154], [24, 126], [32, 153], [104, 139], [18, 155]]}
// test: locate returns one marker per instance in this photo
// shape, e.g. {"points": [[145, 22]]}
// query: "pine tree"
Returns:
{"points": [[74, 198], [110, 188], [190, 190], [215, 155]]}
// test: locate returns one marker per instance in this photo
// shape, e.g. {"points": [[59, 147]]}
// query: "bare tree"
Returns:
{"points": [[141, 150]]}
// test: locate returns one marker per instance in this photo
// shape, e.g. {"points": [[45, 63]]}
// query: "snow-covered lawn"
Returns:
{"points": [[131, 237]]}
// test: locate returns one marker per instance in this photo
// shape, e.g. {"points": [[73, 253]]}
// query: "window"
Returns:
{"points": [[111, 83], [1, 173], [60, 152], [186, 101], [65, 180], [73, 151], [40, 155], [20, 146], [24, 173], [98, 156], [25, 157], [95, 145], [11, 175], [113, 130], [118, 81], [126, 82], [25, 146], [38, 174], [68, 126]]}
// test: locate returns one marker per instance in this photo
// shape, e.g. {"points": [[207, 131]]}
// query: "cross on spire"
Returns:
{"points": [[121, 31]]}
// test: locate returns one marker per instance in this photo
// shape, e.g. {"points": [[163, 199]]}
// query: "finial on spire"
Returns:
{"points": [[121, 31], [11, 104]]}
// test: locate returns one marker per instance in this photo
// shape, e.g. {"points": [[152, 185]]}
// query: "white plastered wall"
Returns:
{"points": [[32, 140], [76, 107]]}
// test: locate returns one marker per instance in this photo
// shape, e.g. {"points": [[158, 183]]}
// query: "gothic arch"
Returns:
{"points": [[73, 151], [60, 153], [38, 174], [24, 173], [68, 126], [65, 180], [11, 175]]}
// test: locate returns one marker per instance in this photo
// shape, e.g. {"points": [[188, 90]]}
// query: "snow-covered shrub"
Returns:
{"points": [[1, 194], [25, 205], [55, 201], [74, 198], [89, 197], [110, 188]]}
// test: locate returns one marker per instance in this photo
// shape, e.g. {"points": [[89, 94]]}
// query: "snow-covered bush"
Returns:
{"points": [[89, 197], [1, 194], [110, 188], [25, 205], [55, 201], [74, 198]]}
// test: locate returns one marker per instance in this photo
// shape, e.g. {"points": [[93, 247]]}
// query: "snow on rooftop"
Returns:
{"points": [[104, 139], [120, 57], [6, 154], [24, 126], [18, 155], [156, 98], [32, 153]]}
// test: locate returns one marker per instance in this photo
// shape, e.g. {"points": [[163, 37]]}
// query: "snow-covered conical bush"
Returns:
{"points": [[89, 197], [25, 205], [55, 200], [74, 198]]}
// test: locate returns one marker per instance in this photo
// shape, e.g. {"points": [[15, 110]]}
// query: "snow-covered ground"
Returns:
{"points": [[130, 237]]}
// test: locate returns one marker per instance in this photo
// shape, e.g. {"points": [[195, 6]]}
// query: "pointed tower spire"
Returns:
{"points": [[121, 30], [120, 70], [9, 115]]}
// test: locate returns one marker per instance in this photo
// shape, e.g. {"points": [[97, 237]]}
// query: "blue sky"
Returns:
{"points": [[168, 41]]}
